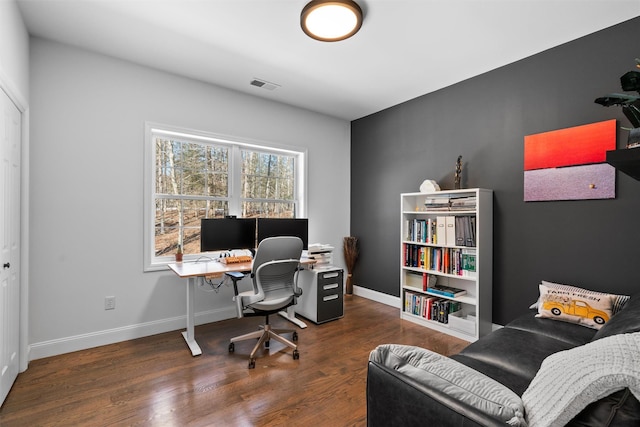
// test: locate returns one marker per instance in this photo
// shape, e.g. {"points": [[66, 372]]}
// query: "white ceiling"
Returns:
{"points": [[405, 48]]}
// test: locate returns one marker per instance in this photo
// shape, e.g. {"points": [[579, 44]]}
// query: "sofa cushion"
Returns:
{"points": [[577, 305], [619, 409], [625, 321], [563, 331], [515, 382], [518, 352], [453, 379]]}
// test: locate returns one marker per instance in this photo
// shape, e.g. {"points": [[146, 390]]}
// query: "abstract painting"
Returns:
{"points": [[569, 164]]}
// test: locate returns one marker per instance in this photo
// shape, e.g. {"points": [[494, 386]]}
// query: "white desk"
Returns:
{"points": [[192, 271]]}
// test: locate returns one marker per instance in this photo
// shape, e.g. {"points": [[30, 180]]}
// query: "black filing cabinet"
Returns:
{"points": [[322, 296]]}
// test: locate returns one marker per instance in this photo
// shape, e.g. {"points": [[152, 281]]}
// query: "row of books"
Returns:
{"points": [[430, 307], [456, 261], [443, 230], [442, 204]]}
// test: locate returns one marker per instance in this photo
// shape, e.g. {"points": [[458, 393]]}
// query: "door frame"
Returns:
{"points": [[23, 107]]}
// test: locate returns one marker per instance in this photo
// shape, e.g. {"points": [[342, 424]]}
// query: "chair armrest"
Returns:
{"points": [[235, 276], [297, 290]]}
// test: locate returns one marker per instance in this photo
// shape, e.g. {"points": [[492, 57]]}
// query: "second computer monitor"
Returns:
{"points": [[273, 227]]}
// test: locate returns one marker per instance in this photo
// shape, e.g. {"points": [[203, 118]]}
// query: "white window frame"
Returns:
{"points": [[236, 144]]}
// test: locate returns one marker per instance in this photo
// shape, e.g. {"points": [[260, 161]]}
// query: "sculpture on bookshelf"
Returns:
{"points": [[429, 186], [458, 175], [630, 104]]}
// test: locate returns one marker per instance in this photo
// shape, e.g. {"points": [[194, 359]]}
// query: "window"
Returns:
{"points": [[191, 175]]}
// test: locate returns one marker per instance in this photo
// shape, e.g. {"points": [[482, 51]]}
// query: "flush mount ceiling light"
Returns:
{"points": [[331, 21]]}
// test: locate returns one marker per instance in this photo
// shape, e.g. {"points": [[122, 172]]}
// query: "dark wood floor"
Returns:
{"points": [[155, 381]]}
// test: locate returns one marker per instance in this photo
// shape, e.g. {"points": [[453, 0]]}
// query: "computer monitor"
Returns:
{"points": [[272, 227], [223, 234]]}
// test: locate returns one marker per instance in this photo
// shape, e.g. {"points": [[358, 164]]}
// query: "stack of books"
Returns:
{"points": [[466, 203], [437, 204], [446, 291], [442, 204]]}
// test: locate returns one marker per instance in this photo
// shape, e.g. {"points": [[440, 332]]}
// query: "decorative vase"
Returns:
{"points": [[349, 289], [350, 247]]}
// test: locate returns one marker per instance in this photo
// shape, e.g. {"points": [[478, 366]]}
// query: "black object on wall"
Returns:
{"points": [[587, 243]]}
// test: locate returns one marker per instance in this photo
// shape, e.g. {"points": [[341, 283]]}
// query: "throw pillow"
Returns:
{"points": [[577, 305]]}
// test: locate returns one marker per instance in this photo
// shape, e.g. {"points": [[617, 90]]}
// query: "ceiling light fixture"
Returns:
{"points": [[331, 21]]}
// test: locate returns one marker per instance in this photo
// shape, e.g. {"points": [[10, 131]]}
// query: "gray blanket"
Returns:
{"points": [[570, 380]]}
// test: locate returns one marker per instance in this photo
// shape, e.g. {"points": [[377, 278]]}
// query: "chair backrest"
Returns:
{"points": [[274, 272], [277, 280], [277, 248]]}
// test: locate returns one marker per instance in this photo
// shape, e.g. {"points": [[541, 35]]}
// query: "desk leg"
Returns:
{"points": [[290, 315], [189, 334]]}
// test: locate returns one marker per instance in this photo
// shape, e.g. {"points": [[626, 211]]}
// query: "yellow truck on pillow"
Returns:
{"points": [[576, 308]]}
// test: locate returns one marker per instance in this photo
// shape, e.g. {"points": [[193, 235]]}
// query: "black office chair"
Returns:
{"points": [[275, 275]]}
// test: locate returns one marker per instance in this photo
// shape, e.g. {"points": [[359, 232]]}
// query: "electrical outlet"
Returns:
{"points": [[109, 303]]}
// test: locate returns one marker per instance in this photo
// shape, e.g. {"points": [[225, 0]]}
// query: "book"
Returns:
{"points": [[469, 262], [460, 227], [446, 291], [450, 224], [441, 231]]}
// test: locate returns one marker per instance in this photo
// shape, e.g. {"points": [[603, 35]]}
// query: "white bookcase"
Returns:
{"points": [[463, 220]]}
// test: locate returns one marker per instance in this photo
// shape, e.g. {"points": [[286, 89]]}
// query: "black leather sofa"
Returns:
{"points": [[512, 356]]}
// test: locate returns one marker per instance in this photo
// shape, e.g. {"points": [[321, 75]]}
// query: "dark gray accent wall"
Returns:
{"points": [[593, 244]]}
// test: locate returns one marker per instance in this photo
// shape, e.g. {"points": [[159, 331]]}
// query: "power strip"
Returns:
{"points": [[235, 259]]}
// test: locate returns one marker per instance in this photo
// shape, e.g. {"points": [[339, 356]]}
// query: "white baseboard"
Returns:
{"points": [[111, 336], [377, 296]]}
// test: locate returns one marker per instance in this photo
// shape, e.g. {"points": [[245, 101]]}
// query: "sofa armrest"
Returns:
{"points": [[394, 399], [408, 384]]}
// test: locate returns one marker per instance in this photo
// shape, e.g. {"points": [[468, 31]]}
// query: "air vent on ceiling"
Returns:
{"points": [[264, 84]]}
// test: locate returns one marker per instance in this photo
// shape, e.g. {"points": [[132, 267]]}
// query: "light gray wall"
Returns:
{"points": [[86, 225], [14, 49]]}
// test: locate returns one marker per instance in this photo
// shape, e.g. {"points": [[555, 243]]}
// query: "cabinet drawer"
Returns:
{"points": [[330, 306], [322, 298], [329, 277]]}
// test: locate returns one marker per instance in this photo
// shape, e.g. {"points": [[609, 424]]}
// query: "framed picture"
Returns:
{"points": [[570, 164]]}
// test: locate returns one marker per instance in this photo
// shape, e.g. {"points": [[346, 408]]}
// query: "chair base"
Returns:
{"points": [[264, 336]]}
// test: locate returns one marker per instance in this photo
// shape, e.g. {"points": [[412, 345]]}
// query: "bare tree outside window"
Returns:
{"points": [[191, 184], [193, 181], [268, 185]]}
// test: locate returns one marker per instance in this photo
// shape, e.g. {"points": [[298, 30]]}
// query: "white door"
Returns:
{"points": [[9, 243]]}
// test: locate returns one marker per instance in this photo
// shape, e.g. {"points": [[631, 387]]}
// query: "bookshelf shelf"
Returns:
{"points": [[447, 241]]}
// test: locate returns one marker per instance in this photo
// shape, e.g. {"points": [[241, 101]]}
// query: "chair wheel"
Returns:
{"points": [[296, 355], [295, 336], [232, 347], [252, 363]]}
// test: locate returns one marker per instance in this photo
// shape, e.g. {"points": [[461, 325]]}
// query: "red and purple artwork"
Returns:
{"points": [[569, 164]]}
